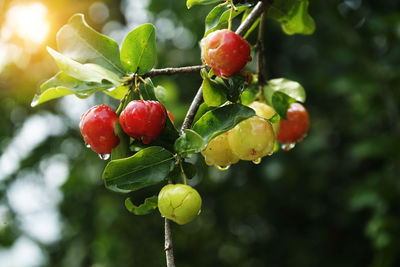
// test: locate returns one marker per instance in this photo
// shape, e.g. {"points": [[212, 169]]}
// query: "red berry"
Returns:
{"points": [[143, 119], [171, 116], [225, 52], [97, 128], [295, 127]]}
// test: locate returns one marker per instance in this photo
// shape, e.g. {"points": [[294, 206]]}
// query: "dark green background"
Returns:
{"points": [[332, 201]]}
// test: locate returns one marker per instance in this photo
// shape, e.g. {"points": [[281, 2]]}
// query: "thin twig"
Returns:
{"points": [[169, 251], [192, 110], [260, 52], [251, 18], [172, 71]]}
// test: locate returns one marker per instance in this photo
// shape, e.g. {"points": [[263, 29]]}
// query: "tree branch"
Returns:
{"points": [[260, 52], [169, 251], [251, 18], [257, 11], [172, 71]]}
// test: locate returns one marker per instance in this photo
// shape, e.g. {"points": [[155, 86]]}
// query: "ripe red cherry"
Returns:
{"points": [[143, 119], [295, 127], [225, 52], [97, 128]]}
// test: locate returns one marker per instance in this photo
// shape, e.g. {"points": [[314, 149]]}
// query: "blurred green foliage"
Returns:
{"points": [[334, 200]]}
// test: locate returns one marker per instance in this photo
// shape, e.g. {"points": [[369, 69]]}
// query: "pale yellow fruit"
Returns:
{"points": [[218, 152], [252, 139], [179, 203], [267, 112]]}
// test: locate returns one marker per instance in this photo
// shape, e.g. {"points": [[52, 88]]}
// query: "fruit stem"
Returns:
{"points": [[260, 52], [183, 173], [230, 15]]}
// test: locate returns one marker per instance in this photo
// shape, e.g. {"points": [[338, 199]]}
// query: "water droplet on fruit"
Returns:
{"points": [[87, 145], [257, 161], [288, 146], [104, 156], [222, 168]]}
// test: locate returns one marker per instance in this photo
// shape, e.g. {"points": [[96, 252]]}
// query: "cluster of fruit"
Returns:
{"points": [[141, 119], [226, 53], [254, 138]]}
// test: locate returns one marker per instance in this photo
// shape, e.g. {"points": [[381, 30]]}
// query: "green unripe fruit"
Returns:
{"points": [[218, 152], [252, 139], [179, 203], [267, 112]]}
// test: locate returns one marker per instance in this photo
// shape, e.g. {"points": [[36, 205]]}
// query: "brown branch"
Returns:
{"points": [[197, 100], [172, 71], [251, 18], [192, 110], [169, 251], [260, 52]]}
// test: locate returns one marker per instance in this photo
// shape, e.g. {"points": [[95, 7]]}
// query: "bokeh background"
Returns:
{"points": [[334, 200]]}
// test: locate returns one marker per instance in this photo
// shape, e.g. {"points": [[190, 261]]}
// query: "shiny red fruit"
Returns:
{"points": [[97, 128], [143, 119], [295, 127], [225, 52]]}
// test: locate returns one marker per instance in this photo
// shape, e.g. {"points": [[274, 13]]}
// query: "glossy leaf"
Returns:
{"points": [[250, 94], [147, 207], [237, 84], [138, 52], [78, 41], [293, 16], [117, 92], [214, 93], [203, 108], [189, 143], [147, 167], [280, 102], [147, 90], [190, 3], [221, 120], [291, 88], [218, 17], [84, 72], [62, 84]]}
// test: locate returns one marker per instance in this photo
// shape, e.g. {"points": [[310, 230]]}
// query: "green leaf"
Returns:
{"points": [[219, 16], [84, 72], [117, 92], [280, 102], [147, 167], [237, 84], [293, 16], [190, 3], [250, 94], [221, 120], [138, 52], [147, 90], [189, 143], [291, 88], [201, 111], [214, 93], [78, 41], [62, 84], [147, 207]]}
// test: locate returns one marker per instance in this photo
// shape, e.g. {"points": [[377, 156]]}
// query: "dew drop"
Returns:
{"points": [[104, 156], [87, 145], [288, 146], [257, 161], [222, 168]]}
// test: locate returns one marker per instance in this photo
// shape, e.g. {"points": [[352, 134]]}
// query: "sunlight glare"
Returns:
{"points": [[28, 21]]}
